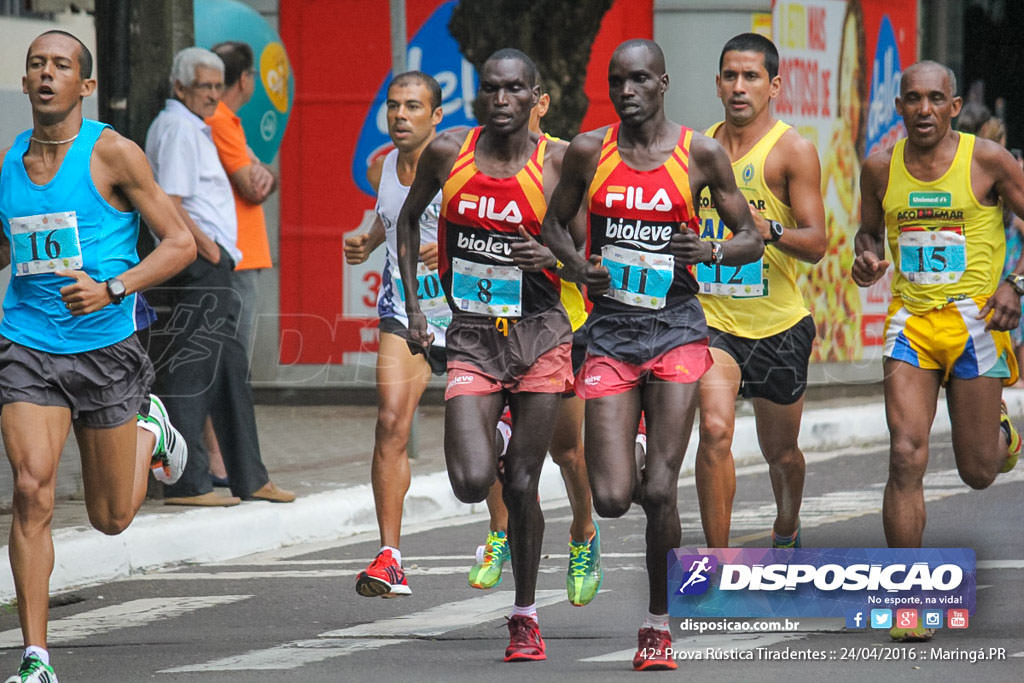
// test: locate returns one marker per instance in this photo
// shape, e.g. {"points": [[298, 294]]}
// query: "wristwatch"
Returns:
{"points": [[775, 232], [1017, 282], [716, 253], [116, 290]]}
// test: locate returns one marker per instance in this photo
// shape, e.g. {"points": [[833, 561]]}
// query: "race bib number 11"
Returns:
{"points": [[639, 278], [45, 243]]}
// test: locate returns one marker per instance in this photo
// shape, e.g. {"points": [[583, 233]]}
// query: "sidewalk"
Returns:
{"points": [[323, 454]]}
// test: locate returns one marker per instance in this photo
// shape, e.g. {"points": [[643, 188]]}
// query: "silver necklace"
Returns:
{"points": [[54, 142]]}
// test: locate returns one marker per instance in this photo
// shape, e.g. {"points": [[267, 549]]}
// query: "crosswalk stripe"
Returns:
{"points": [[338, 643], [115, 617]]}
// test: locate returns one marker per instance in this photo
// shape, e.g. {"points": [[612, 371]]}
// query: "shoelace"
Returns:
{"points": [[495, 549], [523, 630], [579, 559]]}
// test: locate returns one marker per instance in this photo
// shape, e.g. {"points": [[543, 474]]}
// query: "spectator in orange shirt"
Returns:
{"points": [[251, 181]]}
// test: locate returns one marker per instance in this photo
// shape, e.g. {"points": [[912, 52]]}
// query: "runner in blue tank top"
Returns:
{"points": [[71, 192]]}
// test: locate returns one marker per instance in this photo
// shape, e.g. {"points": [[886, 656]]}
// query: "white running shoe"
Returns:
{"points": [[171, 451], [32, 670]]}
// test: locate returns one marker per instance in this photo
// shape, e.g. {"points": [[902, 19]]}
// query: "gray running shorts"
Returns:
{"points": [[103, 388]]}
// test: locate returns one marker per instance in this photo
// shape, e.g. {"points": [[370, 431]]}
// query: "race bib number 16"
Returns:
{"points": [[45, 243]]}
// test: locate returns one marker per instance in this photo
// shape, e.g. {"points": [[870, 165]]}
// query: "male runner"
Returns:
{"points": [[71, 192], [761, 330], [937, 198], [647, 335], [583, 578], [413, 112], [510, 338]]}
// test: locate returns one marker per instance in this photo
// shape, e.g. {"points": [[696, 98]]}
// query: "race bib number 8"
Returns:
{"points": [[428, 290], [45, 243], [741, 281], [931, 257], [487, 289], [638, 278]]}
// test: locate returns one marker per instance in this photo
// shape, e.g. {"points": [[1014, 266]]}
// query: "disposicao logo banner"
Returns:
{"points": [[817, 582]]}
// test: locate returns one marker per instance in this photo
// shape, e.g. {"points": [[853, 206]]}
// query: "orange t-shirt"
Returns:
{"points": [[229, 138]]}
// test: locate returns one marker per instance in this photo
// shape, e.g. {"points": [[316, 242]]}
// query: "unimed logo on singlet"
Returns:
{"points": [[929, 199]]}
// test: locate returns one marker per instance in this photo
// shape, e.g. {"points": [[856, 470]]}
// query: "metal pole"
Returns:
{"points": [[398, 34]]}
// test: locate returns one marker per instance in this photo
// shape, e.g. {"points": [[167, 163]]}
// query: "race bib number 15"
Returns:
{"points": [[45, 243]]}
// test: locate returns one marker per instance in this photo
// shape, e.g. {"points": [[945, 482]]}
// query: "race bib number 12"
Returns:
{"points": [[45, 243]]}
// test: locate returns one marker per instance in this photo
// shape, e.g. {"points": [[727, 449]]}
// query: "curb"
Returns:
{"points": [[154, 540]]}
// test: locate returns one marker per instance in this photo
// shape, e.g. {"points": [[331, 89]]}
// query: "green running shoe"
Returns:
{"points": [[491, 557], [32, 670], [786, 542], [918, 634], [584, 577]]}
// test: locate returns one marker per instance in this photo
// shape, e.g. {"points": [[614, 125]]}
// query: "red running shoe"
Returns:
{"points": [[524, 642], [384, 577], [654, 651]]}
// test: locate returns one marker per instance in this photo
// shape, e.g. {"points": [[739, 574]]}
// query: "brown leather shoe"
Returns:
{"points": [[271, 492], [211, 499]]}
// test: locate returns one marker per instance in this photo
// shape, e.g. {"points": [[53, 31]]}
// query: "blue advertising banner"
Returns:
{"points": [[818, 582], [265, 116], [433, 51]]}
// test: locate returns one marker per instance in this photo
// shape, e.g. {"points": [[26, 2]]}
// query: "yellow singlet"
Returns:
{"points": [[945, 244], [759, 299], [572, 297]]}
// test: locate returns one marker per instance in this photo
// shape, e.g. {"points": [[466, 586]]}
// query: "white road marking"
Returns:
{"points": [[116, 617], [424, 624], [343, 573], [1000, 564]]}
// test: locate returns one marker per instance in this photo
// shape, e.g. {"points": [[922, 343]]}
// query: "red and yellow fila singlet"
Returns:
{"points": [[480, 219], [631, 217]]}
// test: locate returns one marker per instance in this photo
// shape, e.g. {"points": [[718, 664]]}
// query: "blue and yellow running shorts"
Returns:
{"points": [[951, 339]]}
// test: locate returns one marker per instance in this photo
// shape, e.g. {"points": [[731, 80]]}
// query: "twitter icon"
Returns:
{"points": [[881, 618]]}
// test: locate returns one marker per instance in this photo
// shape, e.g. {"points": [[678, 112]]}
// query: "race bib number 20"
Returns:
{"points": [[45, 243]]}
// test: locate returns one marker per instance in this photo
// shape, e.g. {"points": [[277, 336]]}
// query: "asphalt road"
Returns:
{"points": [[293, 614]]}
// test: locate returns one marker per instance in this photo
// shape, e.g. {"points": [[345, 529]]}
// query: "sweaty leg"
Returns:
{"points": [[910, 397], [610, 441], [567, 452], [778, 430], [978, 443], [115, 467], [533, 415], [715, 471], [669, 408], [33, 436], [401, 379]]}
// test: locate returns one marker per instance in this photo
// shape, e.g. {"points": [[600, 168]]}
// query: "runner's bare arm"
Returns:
{"points": [[5, 246], [132, 177], [433, 168], [565, 208], [806, 240], [710, 167], [869, 243], [1004, 304]]}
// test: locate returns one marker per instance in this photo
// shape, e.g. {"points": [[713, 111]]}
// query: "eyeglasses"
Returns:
{"points": [[208, 87]]}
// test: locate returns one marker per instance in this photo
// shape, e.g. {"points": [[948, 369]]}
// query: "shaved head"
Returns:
{"points": [[924, 67], [657, 57]]}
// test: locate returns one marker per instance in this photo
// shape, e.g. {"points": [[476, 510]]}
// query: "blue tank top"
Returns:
{"points": [[64, 224]]}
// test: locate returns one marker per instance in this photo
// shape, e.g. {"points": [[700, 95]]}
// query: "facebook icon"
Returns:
{"points": [[855, 619]]}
